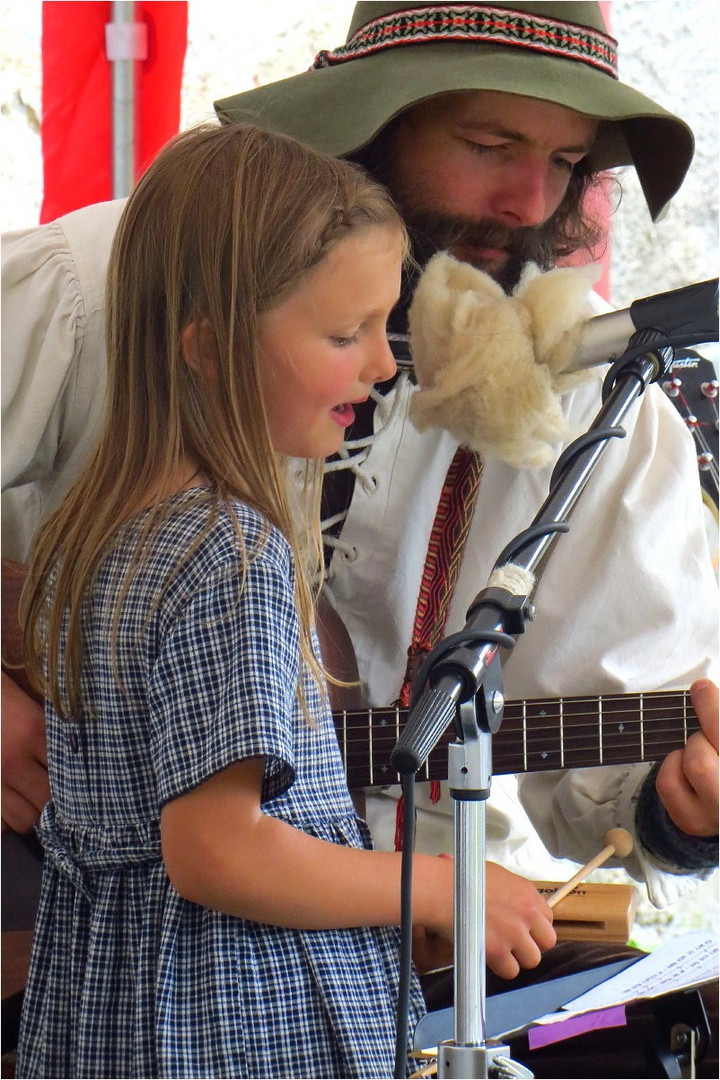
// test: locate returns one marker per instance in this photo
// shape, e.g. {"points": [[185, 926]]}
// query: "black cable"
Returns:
{"points": [[405, 966]]}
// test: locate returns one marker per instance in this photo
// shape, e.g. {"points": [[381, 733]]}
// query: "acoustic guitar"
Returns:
{"points": [[536, 735]]}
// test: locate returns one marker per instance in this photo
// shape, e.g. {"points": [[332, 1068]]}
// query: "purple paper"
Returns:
{"points": [[546, 1034]]}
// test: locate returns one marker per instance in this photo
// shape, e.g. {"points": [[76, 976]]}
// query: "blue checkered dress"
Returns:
{"points": [[127, 979]]}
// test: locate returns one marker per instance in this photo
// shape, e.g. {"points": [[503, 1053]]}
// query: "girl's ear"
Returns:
{"points": [[199, 348]]}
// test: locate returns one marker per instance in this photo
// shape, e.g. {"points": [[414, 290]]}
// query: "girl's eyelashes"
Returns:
{"points": [[342, 342]]}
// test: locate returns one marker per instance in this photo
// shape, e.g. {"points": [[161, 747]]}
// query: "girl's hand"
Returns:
{"points": [[430, 950], [518, 922]]}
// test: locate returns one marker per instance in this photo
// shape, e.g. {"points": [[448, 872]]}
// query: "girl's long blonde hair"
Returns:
{"points": [[222, 226]]}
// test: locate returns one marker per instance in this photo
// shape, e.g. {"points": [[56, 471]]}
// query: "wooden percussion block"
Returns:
{"points": [[593, 911]]}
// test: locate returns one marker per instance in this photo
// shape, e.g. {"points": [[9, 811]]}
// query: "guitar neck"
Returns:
{"points": [[537, 735]]}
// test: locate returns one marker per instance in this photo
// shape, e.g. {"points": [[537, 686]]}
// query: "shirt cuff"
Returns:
{"points": [[659, 835]]}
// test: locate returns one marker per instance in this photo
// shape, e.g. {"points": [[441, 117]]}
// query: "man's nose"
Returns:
{"points": [[523, 198]]}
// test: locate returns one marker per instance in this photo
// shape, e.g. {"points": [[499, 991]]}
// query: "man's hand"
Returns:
{"points": [[687, 782], [25, 788]]}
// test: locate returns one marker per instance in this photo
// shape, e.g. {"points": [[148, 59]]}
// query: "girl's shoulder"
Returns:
{"points": [[221, 533], [202, 556], [201, 543]]}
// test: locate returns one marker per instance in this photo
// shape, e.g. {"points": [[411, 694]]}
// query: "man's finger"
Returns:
{"points": [[704, 697], [18, 813]]}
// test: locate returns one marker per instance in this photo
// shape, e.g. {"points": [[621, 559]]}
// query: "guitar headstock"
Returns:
{"points": [[692, 386]]}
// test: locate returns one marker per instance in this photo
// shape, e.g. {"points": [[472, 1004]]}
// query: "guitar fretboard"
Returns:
{"points": [[561, 733]]}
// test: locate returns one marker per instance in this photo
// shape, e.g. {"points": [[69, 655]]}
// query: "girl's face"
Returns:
{"points": [[324, 346]]}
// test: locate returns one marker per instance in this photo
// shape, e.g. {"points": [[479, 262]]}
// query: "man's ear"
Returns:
{"points": [[199, 348]]}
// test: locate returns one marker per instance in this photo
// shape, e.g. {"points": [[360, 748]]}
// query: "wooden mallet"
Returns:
{"points": [[617, 842]]}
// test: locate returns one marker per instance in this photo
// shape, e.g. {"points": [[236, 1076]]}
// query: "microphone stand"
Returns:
{"points": [[460, 682]]}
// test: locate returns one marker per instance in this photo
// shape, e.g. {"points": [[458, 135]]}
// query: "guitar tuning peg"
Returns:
{"points": [[691, 421], [705, 462], [672, 387], [710, 389]]}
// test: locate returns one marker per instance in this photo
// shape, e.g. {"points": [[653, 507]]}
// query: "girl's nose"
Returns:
{"points": [[383, 365]]}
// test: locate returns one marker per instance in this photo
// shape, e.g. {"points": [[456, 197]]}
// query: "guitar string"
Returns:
{"points": [[520, 759], [652, 731]]}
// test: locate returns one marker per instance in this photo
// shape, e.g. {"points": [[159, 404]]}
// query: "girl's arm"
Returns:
{"points": [[223, 852]]}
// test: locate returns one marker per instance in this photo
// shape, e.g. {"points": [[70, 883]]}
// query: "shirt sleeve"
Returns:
{"points": [[53, 359], [631, 602], [223, 688]]}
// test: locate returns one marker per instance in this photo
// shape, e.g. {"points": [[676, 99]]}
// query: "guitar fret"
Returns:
{"points": [[562, 737], [600, 730], [642, 727], [372, 755]]}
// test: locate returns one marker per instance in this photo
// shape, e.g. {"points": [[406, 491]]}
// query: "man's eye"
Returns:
{"points": [[484, 148]]}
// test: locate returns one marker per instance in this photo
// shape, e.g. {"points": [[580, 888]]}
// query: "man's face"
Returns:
{"points": [[478, 172]]}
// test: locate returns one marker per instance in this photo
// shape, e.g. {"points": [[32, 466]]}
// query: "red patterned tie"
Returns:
{"points": [[442, 563]]}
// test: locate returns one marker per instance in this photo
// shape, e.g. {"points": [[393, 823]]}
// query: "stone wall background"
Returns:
{"points": [[668, 49]]}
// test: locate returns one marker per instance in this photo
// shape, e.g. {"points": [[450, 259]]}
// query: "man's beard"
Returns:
{"points": [[432, 232]]}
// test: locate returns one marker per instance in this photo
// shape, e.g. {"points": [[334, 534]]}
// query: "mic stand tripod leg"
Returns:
{"points": [[469, 773]]}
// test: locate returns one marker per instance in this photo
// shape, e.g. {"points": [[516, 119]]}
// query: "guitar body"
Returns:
{"points": [[339, 659], [21, 855]]}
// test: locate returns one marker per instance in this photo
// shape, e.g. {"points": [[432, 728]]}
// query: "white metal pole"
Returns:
{"points": [[125, 43]]}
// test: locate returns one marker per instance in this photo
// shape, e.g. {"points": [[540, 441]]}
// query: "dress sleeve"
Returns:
{"points": [[223, 687]]}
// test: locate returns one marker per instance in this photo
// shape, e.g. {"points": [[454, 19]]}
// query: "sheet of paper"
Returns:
{"points": [[685, 961]]}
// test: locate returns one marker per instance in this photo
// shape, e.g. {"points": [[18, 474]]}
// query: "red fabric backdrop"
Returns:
{"points": [[77, 97]]}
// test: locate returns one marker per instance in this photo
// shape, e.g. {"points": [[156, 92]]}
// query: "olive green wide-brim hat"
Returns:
{"points": [[396, 55]]}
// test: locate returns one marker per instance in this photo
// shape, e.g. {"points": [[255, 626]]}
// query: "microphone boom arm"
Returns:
{"points": [[447, 689]]}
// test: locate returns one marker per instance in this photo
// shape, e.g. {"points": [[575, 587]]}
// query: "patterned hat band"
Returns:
{"points": [[434, 24]]}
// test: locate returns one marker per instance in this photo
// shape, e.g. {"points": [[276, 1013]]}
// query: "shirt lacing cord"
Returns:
{"points": [[352, 457]]}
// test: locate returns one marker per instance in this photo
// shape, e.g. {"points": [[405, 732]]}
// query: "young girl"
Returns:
{"points": [[211, 906]]}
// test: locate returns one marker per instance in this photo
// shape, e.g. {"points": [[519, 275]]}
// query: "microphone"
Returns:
{"points": [[686, 316]]}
